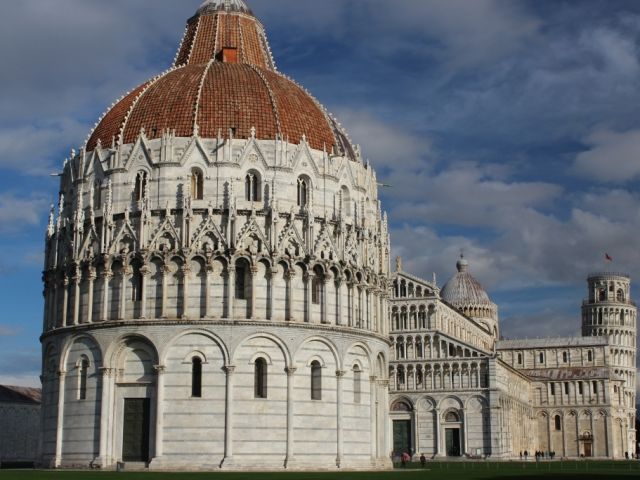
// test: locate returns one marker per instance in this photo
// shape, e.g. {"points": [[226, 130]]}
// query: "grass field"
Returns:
{"points": [[438, 470]]}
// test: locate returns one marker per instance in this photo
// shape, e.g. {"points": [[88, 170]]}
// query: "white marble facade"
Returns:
{"points": [[143, 279], [457, 390]]}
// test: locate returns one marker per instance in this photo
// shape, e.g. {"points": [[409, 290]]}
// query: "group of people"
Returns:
{"points": [[538, 455]]}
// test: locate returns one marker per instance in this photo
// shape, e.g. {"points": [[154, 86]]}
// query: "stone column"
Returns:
{"points": [[308, 279], [77, 278], [106, 276], [290, 276], [144, 272], [208, 304], [166, 271], [373, 404], [339, 406], [105, 415], [228, 417], [465, 431], [54, 314], [252, 307], [91, 278], [324, 315], [60, 420], [608, 433], [65, 300], [127, 272], [185, 292], [231, 285], [564, 436], [160, 371], [384, 402], [289, 456], [339, 319], [273, 274], [437, 433], [593, 434]]}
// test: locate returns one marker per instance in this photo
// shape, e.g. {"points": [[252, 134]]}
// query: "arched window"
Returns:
{"points": [[541, 357], [451, 417], [241, 273], [519, 359], [346, 201], [316, 380], [621, 317], [197, 184], [97, 195], [141, 186], [260, 378], [602, 295], [136, 285], [82, 381], [565, 357], [357, 384], [303, 192], [620, 296], [589, 356], [196, 377], [252, 186], [316, 290], [558, 423]]}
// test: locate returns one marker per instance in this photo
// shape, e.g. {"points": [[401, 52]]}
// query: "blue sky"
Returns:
{"points": [[509, 129]]}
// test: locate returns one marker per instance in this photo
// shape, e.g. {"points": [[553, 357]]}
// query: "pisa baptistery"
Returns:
{"points": [[216, 275]]}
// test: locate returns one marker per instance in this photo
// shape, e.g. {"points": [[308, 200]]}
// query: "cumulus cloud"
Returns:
{"points": [[612, 156]]}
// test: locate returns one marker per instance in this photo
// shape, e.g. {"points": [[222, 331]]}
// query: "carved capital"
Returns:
{"points": [[107, 372], [340, 373], [229, 369], [290, 371], [160, 369]]}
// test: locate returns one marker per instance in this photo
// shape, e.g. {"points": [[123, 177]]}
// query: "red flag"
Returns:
{"points": [[608, 257]]}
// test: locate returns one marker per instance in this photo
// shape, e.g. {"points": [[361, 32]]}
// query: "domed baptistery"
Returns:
{"points": [[216, 276]]}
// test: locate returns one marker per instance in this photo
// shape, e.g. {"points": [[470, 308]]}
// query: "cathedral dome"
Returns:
{"points": [[223, 83], [463, 290]]}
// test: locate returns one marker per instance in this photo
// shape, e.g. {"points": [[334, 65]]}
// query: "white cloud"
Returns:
{"points": [[18, 213], [612, 157]]}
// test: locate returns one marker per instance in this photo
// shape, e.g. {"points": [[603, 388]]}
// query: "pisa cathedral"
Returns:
{"points": [[219, 294]]}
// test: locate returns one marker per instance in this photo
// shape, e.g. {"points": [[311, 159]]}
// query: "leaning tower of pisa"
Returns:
{"points": [[609, 311]]}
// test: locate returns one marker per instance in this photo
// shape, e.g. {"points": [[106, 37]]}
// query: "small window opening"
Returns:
{"points": [[260, 378], [84, 372], [197, 184], [316, 380], [196, 377], [558, 423], [357, 384], [303, 192], [141, 186], [240, 282]]}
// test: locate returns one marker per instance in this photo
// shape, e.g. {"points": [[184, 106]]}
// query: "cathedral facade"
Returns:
{"points": [[218, 290], [457, 389]]}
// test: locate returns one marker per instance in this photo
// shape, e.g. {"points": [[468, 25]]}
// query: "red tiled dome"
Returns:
{"points": [[224, 80]]}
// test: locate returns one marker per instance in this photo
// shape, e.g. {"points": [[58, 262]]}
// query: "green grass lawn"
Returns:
{"points": [[437, 470]]}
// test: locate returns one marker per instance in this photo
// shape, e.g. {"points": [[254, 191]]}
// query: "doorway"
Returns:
{"points": [[587, 450], [135, 428], [452, 439], [401, 437]]}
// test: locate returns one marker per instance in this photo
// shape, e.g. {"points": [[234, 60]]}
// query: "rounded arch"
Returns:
{"points": [[402, 404], [120, 342], [450, 402], [324, 341], [365, 349], [195, 331], [71, 341], [482, 402], [275, 339]]}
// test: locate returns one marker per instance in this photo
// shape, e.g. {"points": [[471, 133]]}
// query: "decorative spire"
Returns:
{"points": [[51, 226]]}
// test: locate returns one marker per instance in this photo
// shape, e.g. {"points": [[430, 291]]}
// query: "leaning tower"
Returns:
{"points": [[609, 311]]}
